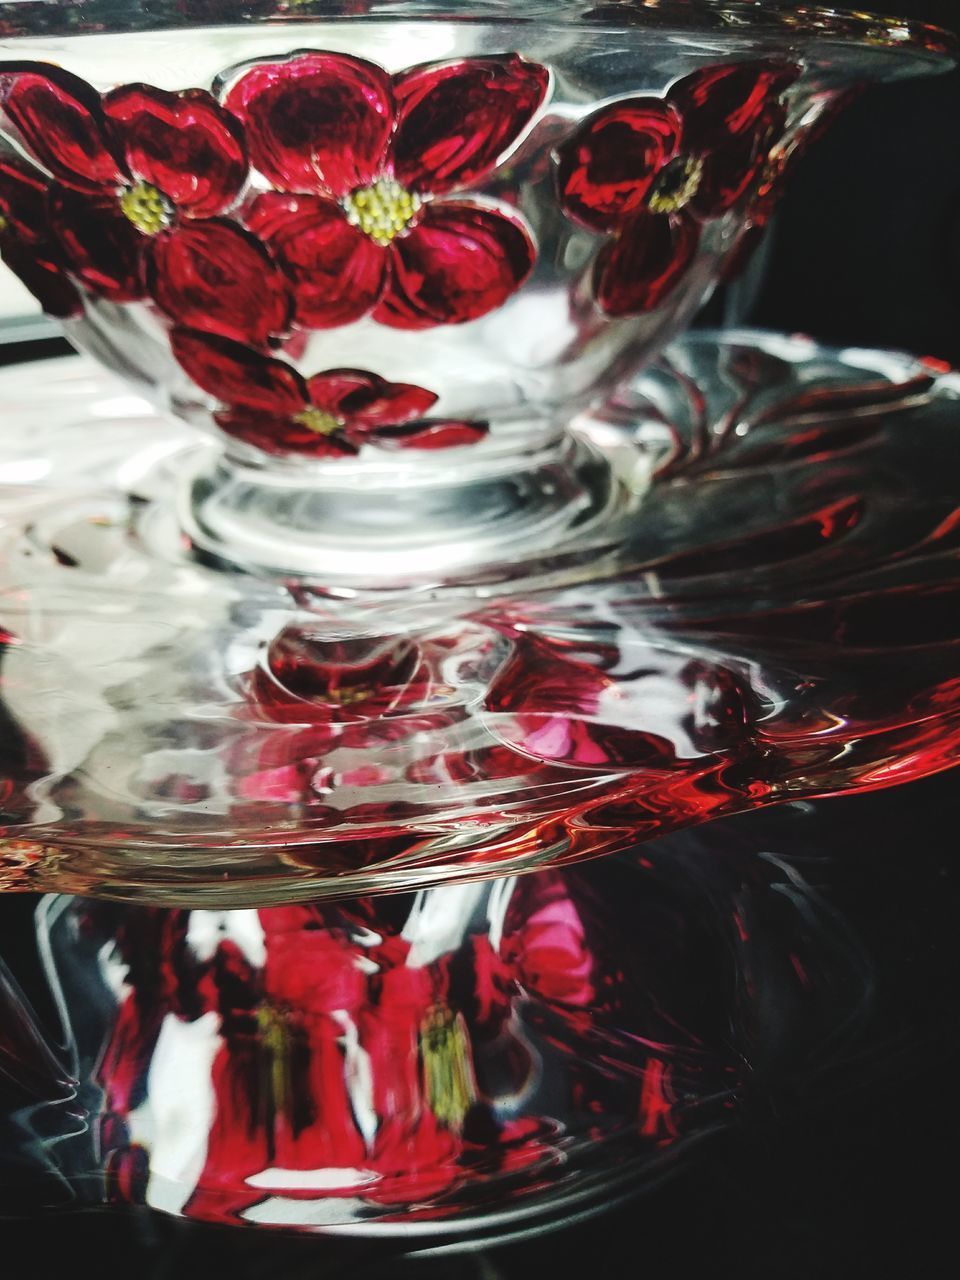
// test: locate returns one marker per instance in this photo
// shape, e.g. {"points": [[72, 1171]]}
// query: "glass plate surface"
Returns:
{"points": [[768, 610]]}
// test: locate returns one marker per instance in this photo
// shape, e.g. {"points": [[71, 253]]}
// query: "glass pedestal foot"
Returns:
{"points": [[469, 1063]]}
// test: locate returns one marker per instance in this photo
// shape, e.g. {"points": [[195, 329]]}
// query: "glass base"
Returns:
{"points": [[472, 1063], [733, 585], [393, 533]]}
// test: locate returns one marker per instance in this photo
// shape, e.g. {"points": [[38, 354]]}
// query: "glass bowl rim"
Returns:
{"points": [[751, 20]]}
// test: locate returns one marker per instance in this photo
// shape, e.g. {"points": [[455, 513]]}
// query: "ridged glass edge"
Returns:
{"points": [[749, 18]]}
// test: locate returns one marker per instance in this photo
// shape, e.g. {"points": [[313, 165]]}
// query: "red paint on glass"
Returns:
{"points": [[26, 245], [365, 165], [267, 404], [650, 172], [141, 177]]}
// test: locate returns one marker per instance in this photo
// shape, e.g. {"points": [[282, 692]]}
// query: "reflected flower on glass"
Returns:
{"points": [[342, 1063], [583, 704], [361, 694]]}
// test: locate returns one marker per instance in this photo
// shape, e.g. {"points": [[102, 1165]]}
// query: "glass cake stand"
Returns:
{"points": [[387, 542], [393, 557], [766, 608]]}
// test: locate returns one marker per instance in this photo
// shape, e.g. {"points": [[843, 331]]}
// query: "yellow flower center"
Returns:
{"points": [[348, 697], [382, 211], [275, 1041], [677, 185], [447, 1069], [318, 421], [4, 224], [147, 208]]}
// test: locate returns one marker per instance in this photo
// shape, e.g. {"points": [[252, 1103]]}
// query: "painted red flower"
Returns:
{"points": [[364, 165], [270, 406], [142, 176], [652, 171], [26, 244]]}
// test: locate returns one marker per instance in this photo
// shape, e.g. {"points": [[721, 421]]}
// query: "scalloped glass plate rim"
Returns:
{"points": [[864, 31]]}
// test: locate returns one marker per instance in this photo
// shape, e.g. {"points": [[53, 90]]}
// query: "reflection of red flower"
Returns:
{"points": [[596, 707], [359, 159], [337, 1057], [141, 176], [26, 245], [544, 953], [269, 405], [361, 693], [652, 170], [278, 1077], [18, 859], [422, 1087], [311, 677], [355, 1058], [549, 950]]}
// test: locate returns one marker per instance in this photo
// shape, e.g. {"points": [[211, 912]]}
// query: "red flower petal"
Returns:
{"points": [[23, 200], [61, 121], [367, 401], [549, 702], [316, 122], [102, 248], [215, 276], [733, 168], [460, 262], [645, 263], [38, 270], [237, 376], [280, 435], [183, 143], [329, 390], [337, 272], [607, 168], [431, 435], [455, 120], [719, 104], [308, 675]]}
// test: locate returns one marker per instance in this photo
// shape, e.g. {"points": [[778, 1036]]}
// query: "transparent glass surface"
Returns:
{"points": [[465, 1063], [776, 617], [384, 254]]}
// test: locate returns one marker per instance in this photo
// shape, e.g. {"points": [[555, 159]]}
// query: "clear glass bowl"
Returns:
{"points": [[386, 252]]}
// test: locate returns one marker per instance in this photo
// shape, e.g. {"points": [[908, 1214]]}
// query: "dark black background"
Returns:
{"points": [[867, 246], [853, 1176]]}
